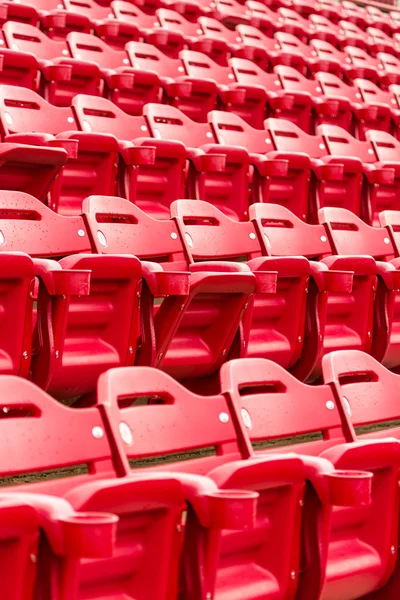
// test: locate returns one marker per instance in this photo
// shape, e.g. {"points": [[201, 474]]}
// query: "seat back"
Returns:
{"points": [[216, 30], [391, 220], [23, 37], [293, 81], [248, 73], [350, 235], [359, 58], [281, 233], [102, 116], [132, 13], [291, 44], [327, 51], [262, 391], [116, 226], [287, 137], [231, 130], [211, 235], [201, 66], [332, 87], [169, 123], [340, 143], [173, 21], [22, 110], [367, 390], [386, 147], [89, 8], [372, 94], [148, 57], [84, 46]]}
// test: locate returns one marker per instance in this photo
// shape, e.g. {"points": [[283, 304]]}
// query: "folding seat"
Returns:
{"points": [[101, 525], [385, 104], [321, 28], [304, 7], [349, 235], [389, 72], [394, 20], [52, 17], [127, 87], [362, 540], [261, 17], [274, 324], [368, 114], [247, 100], [193, 95], [379, 41], [329, 9], [306, 55], [134, 15], [231, 13], [380, 176], [115, 33], [340, 310], [197, 300], [356, 14], [292, 22], [311, 104], [242, 563], [92, 158], [61, 77], [363, 64], [353, 36], [381, 20]]}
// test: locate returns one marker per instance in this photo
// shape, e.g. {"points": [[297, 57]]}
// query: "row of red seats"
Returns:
{"points": [[277, 301], [164, 156], [319, 521]]}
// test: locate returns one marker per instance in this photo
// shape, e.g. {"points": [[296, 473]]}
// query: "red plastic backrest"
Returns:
{"points": [[22, 111], [201, 66], [325, 50], [290, 43], [287, 137], [351, 28], [27, 38], [40, 433], [369, 390], [294, 81], [291, 15], [150, 58], [89, 8], [390, 62], [173, 21], [350, 235], [274, 404], [84, 46], [247, 72], [391, 220], [371, 94], [231, 130], [169, 123], [102, 116], [284, 234], [125, 11], [216, 30], [27, 225], [378, 35], [230, 7], [386, 147], [116, 226], [333, 87], [340, 143], [184, 421], [211, 235], [360, 58], [253, 36]]}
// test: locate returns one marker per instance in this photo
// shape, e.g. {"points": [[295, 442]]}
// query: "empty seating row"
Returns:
{"points": [[209, 522]]}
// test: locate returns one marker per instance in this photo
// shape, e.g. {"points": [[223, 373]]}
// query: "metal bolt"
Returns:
{"points": [[174, 235], [299, 339], [392, 549], [57, 354], [224, 352], [323, 238], [64, 297], [301, 503], [330, 405], [386, 240], [252, 236], [160, 356], [293, 574], [25, 355], [138, 294], [81, 232], [130, 350], [368, 333], [224, 418], [97, 432]]}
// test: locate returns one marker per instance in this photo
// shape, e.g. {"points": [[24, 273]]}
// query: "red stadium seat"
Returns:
{"points": [[356, 15], [92, 158], [247, 100], [390, 72], [292, 22], [128, 87], [201, 318], [300, 52], [261, 392], [62, 77], [278, 479], [380, 177]]}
